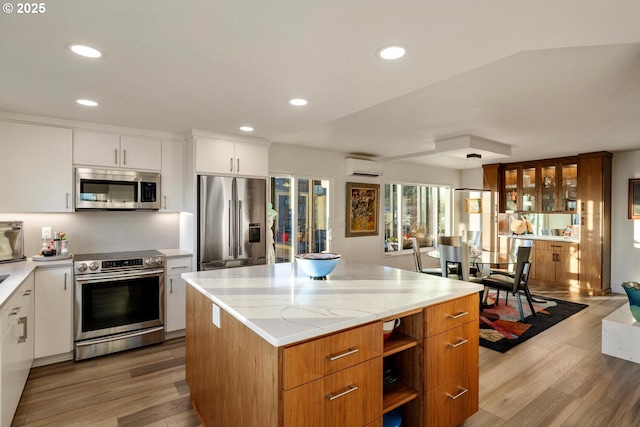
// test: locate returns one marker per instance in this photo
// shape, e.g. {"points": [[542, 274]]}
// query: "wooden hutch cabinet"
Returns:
{"points": [[572, 185]]}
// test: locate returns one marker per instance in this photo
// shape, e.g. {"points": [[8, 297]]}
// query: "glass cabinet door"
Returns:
{"points": [[511, 189], [569, 195], [548, 175], [529, 189]]}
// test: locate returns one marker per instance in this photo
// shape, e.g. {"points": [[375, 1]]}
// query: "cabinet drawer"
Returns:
{"points": [[351, 397], [14, 306], [450, 404], [314, 359], [451, 353], [179, 265], [450, 314]]}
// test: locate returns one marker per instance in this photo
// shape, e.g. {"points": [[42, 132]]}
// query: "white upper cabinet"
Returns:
{"points": [[172, 176], [115, 151], [37, 168], [220, 156]]}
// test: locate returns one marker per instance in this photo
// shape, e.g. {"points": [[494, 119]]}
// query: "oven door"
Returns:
{"points": [[116, 303]]}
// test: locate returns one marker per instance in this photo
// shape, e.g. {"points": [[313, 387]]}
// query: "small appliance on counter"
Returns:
{"points": [[11, 241]]}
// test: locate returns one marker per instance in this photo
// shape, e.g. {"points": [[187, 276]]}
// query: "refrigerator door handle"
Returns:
{"points": [[239, 228], [230, 228]]}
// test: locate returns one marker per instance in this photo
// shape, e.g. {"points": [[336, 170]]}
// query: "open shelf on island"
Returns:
{"points": [[397, 397], [398, 342]]}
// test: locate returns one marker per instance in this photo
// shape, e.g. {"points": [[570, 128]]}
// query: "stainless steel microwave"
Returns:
{"points": [[112, 189]]}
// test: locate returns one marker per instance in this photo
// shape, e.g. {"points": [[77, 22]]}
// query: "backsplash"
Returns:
{"points": [[91, 232]]}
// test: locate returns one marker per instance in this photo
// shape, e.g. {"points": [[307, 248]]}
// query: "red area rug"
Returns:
{"points": [[501, 329]]}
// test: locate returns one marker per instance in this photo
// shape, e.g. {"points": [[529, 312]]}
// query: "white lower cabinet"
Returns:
{"points": [[54, 311], [16, 348], [175, 291]]}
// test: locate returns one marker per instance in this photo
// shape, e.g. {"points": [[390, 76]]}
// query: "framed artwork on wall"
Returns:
{"points": [[634, 198], [362, 206], [474, 206]]}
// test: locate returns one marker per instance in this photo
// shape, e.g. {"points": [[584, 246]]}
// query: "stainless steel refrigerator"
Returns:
{"points": [[231, 222]]}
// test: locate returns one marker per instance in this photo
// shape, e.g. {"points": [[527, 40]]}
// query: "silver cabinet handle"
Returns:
{"points": [[170, 286], [23, 321], [350, 389], [68, 199], [65, 281], [459, 315], [352, 350], [230, 164], [165, 202], [124, 157], [238, 166], [26, 293], [459, 343], [14, 311], [462, 391], [115, 156], [180, 267]]}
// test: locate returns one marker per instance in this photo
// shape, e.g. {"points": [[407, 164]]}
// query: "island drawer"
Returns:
{"points": [[314, 359], [351, 397], [454, 352], [451, 314], [452, 403], [178, 265]]}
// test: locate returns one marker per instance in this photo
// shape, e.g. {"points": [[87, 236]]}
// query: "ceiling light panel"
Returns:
{"points": [[87, 102], [391, 52], [298, 102], [83, 50]]}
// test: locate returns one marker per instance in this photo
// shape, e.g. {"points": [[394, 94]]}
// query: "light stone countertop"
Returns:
{"points": [[541, 237], [284, 306], [20, 270]]}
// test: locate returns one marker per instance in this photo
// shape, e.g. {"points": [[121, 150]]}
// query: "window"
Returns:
{"points": [[301, 226], [416, 211]]}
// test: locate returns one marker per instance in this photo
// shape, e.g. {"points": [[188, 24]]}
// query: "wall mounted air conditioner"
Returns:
{"points": [[363, 167]]}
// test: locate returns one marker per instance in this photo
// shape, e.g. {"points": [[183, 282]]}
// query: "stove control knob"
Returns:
{"points": [[159, 261], [93, 266], [148, 261], [82, 267]]}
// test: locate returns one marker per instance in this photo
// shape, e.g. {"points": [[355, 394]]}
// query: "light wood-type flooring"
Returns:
{"points": [[559, 378]]}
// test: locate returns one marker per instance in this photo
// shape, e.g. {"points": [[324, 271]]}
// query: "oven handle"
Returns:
{"points": [[117, 337], [109, 277]]}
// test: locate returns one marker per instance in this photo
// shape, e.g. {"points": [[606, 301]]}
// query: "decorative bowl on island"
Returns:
{"points": [[317, 265]]}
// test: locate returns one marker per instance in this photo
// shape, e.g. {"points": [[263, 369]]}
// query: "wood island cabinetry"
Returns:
{"points": [[236, 377]]}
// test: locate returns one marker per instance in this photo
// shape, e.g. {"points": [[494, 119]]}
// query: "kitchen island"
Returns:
{"points": [[268, 346]]}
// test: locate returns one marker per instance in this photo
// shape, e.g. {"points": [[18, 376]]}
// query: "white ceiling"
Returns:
{"points": [[548, 78]]}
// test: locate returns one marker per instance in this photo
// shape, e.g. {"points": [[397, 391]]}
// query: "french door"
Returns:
{"points": [[302, 221]]}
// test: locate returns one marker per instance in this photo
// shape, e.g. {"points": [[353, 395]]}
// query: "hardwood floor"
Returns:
{"points": [[559, 378]]}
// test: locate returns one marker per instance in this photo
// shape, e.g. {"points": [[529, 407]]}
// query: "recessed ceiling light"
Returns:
{"points": [[298, 102], [246, 128], [391, 52], [87, 102], [83, 50]]}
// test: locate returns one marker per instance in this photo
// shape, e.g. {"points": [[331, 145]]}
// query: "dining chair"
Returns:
{"points": [[417, 258], [516, 283], [455, 260]]}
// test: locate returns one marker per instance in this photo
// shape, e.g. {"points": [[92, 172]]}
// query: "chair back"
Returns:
{"points": [[458, 255], [474, 238], [523, 263], [416, 254], [450, 240]]}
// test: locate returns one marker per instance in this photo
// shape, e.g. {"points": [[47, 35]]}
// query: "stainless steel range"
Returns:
{"points": [[119, 301]]}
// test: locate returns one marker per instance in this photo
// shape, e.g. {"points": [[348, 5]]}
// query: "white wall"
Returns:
{"points": [[95, 232], [326, 164], [625, 233]]}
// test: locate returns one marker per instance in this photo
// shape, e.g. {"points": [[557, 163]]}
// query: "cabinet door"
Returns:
{"points": [[172, 176], [53, 302], [175, 291], [215, 156], [37, 168], [252, 160], [544, 259], [567, 265], [96, 149], [548, 188], [511, 190], [140, 153]]}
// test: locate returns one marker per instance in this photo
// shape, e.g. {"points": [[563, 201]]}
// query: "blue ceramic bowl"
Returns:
{"points": [[317, 266]]}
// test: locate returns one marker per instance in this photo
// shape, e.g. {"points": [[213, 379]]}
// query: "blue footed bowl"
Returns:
{"points": [[633, 293], [318, 265]]}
